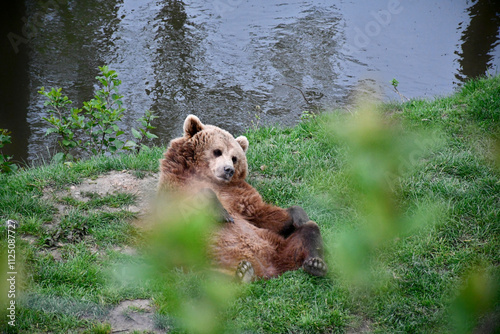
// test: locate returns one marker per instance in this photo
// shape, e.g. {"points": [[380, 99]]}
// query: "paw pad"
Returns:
{"points": [[315, 266], [245, 272]]}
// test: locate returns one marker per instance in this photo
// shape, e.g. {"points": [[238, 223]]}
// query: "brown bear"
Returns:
{"points": [[256, 239]]}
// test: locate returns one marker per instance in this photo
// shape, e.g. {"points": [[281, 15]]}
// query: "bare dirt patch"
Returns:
{"points": [[133, 315], [363, 325], [143, 190], [111, 183]]}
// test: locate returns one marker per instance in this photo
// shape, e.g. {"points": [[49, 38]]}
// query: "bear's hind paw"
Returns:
{"points": [[315, 266], [245, 272]]}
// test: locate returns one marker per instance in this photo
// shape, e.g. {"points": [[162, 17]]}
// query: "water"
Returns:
{"points": [[235, 63]]}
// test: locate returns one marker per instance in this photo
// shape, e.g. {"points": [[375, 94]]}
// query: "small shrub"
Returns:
{"points": [[6, 165], [142, 134], [64, 120], [94, 129]]}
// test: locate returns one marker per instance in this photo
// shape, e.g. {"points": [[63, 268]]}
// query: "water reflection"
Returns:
{"points": [[229, 67], [479, 40], [306, 54], [72, 40], [174, 62], [14, 87]]}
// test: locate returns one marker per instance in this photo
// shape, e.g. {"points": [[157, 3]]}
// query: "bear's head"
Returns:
{"points": [[217, 155]]}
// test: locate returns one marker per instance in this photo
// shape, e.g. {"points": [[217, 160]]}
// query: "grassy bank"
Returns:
{"points": [[407, 197]]}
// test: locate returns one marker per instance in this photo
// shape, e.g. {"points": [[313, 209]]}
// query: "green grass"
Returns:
{"points": [[407, 198], [87, 237]]}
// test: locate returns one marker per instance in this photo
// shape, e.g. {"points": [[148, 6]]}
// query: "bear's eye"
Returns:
{"points": [[234, 160], [217, 153]]}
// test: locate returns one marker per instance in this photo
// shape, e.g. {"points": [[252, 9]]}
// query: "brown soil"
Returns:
{"points": [[114, 182], [132, 315]]}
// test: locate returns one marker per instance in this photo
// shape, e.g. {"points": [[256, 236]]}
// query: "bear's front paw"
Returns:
{"points": [[298, 215], [219, 212], [245, 272], [315, 266], [226, 217]]}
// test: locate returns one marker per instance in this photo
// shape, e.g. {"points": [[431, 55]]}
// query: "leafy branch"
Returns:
{"points": [[6, 165], [94, 129]]}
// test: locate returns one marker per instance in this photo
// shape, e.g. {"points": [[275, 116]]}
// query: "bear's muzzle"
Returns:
{"points": [[228, 172]]}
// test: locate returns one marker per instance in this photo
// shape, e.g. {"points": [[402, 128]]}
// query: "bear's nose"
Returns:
{"points": [[229, 171]]}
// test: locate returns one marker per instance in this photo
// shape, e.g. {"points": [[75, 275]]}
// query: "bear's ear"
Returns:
{"points": [[243, 141], [192, 125]]}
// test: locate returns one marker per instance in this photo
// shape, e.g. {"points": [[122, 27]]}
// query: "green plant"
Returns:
{"points": [[307, 115], [143, 131], [395, 85], [97, 120], [104, 111], [64, 120], [256, 115], [99, 329], [6, 166]]}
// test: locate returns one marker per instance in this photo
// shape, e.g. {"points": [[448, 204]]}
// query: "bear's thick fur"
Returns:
{"points": [[257, 239]]}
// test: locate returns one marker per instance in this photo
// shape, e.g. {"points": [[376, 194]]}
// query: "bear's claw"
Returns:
{"points": [[315, 266], [245, 272], [226, 217]]}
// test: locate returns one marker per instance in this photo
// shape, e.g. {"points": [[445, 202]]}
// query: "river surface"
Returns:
{"points": [[234, 63]]}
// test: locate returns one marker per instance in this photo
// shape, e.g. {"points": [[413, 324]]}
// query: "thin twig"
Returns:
{"points": [[303, 95], [401, 95]]}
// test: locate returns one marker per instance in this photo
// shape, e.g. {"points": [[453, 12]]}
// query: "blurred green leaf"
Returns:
{"points": [[136, 134]]}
